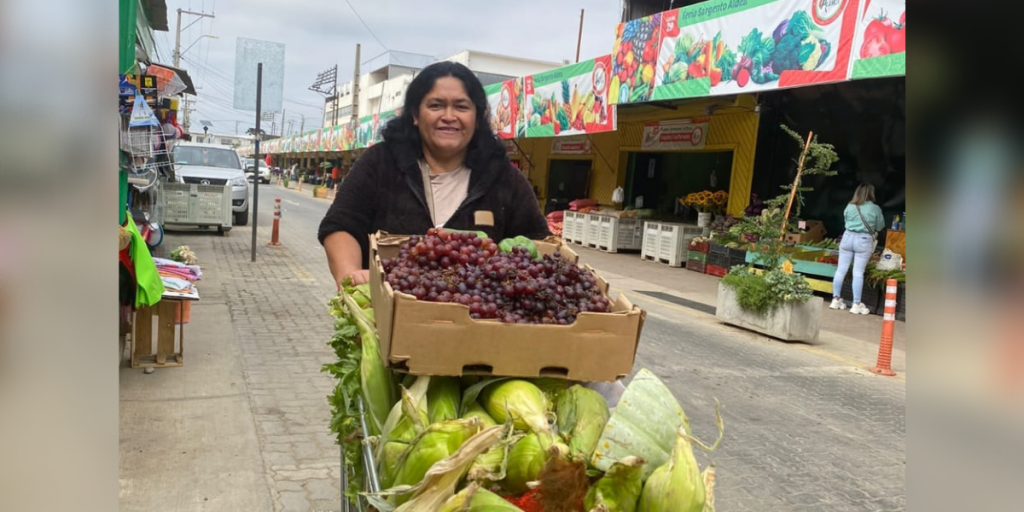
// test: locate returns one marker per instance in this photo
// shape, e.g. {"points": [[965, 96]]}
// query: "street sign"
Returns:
{"points": [[249, 53]]}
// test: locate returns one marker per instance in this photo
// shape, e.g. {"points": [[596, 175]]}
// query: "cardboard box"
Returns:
{"points": [[430, 338], [811, 231]]}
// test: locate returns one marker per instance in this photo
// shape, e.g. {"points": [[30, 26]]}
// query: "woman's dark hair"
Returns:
{"points": [[483, 147]]}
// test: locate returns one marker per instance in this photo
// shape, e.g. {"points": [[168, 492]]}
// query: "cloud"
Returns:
{"points": [[321, 33]]}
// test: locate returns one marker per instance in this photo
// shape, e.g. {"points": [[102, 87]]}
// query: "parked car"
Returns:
{"points": [[250, 171], [212, 164]]}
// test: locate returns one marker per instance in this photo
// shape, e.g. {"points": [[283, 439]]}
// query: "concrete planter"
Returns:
{"points": [[791, 321]]}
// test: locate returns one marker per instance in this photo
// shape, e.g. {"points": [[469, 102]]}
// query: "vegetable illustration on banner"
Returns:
{"points": [[570, 100], [722, 47], [880, 47], [505, 101]]}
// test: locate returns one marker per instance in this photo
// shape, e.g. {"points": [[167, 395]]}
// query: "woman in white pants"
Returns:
{"points": [[863, 220]]}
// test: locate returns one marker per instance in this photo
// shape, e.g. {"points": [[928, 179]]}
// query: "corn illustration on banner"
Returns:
{"points": [[571, 100]]}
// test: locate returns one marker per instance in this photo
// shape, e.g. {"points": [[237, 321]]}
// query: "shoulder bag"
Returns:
{"points": [[874, 234]]}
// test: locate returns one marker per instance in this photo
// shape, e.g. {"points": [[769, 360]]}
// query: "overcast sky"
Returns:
{"points": [[320, 33]]}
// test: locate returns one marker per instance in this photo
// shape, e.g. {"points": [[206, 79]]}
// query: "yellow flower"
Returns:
{"points": [[787, 267]]}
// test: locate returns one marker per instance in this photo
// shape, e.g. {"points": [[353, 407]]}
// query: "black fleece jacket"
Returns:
{"points": [[384, 191]]}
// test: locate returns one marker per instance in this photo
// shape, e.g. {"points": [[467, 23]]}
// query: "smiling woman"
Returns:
{"points": [[439, 165]]}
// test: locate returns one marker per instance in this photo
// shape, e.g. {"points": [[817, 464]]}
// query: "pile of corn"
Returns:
{"points": [[499, 444]]}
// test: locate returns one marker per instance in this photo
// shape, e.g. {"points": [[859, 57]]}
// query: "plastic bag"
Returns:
{"points": [[618, 195], [889, 261]]}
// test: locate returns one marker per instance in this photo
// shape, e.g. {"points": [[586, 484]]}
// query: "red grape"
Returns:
{"points": [[513, 288]]}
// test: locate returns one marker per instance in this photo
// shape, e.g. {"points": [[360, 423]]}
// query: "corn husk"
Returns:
{"points": [[438, 442], [582, 414], [388, 462], [375, 379], [443, 399], [438, 484], [525, 461], [551, 387], [676, 486], [475, 499], [619, 489], [522, 400], [477, 411], [709, 488], [402, 423], [643, 424], [491, 465]]}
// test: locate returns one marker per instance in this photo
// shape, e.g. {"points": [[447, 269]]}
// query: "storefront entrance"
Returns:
{"points": [[657, 180], [568, 180]]}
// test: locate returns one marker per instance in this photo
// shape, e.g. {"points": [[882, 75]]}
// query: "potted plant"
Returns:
{"points": [[320, 191], [776, 301]]}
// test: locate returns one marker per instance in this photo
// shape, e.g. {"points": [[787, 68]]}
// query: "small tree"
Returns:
{"points": [[768, 230]]}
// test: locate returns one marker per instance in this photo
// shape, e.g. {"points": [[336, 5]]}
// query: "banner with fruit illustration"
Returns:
{"points": [[344, 137], [506, 103], [721, 47], [571, 100], [880, 46], [368, 132]]}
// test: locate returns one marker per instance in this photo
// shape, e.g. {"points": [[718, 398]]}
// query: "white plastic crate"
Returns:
{"points": [[593, 230], [570, 223], [651, 237], [185, 203], [620, 234], [667, 242]]}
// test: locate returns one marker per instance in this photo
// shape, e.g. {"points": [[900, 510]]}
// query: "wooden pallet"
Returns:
{"points": [[163, 317]]}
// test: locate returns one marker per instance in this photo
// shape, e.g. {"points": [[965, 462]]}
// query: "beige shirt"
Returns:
{"points": [[444, 192]]}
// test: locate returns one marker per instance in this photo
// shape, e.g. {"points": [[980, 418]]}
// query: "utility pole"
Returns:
{"points": [[302, 127], [177, 34], [187, 108], [329, 76], [355, 89], [283, 112]]}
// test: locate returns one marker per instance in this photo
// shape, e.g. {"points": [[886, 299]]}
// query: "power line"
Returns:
{"points": [[368, 29]]}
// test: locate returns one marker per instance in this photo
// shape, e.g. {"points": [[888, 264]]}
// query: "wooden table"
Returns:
{"points": [[163, 316], [896, 241]]}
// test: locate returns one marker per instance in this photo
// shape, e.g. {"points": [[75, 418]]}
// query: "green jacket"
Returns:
{"points": [[150, 287]]}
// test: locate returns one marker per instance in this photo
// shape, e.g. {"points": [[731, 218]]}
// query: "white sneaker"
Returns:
{"points": [[860, 309], [837, 303]]}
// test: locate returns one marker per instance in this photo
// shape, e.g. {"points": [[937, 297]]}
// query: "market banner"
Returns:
{"points": [[721, 47], [317, 141], [506, 104], [880, 47], [577, 145], [675, 135], [570, 100], [369, 129]]}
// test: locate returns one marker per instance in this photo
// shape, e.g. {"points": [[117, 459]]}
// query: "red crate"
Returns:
{"points": [[703, 247], [715, 270], [696, 266]]}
